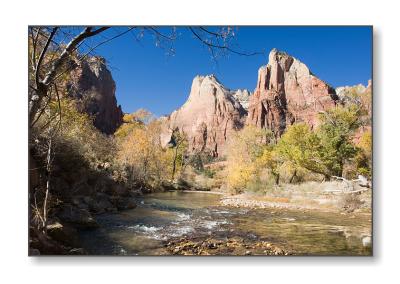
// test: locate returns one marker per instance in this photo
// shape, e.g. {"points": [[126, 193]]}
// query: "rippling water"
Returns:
{"points": [[164, 216]]}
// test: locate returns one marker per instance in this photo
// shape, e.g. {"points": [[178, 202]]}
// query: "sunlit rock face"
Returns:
{"points": [[93, 88], [242, 96], [208, 117], [287, 92]]}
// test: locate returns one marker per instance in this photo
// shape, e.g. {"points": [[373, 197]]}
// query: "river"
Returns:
{"points": [[161, 217]]}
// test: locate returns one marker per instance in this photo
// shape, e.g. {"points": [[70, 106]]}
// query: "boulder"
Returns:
{"points": [[74, 215], [101, 203], [125, 203], [42, 244], [79, 201], [63, 233]]}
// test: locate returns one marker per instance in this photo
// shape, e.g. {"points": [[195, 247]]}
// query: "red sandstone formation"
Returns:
{"points": [[287, 92], [208, 117], [93, 88]]}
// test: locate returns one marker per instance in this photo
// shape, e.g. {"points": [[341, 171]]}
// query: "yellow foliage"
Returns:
{"points": [[140, 149], [243, 150], [366, 143]]}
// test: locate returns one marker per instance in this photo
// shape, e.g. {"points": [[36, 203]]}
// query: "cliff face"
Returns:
{"points": [[93, 87], [207, 118], [287, 92], [243, 97]]}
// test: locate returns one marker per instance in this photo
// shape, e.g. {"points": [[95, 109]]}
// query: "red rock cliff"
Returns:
{"points": [[93, 87], [208, 117], [287, 92]]}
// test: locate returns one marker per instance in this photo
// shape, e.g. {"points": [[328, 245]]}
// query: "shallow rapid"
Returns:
{"points": [[162, 217]]}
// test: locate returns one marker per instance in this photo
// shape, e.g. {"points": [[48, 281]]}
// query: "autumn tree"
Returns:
{"points": [[269, 159], [326, 149], [301, 148], [335, 133], [363, 158], [64, 146], [243, 149]]}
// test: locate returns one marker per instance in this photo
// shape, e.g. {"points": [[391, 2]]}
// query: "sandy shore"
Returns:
{"points": [[246, 201]]}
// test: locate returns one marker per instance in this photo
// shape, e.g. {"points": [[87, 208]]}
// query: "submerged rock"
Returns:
{"points": [[230, 246], [366, 241]]}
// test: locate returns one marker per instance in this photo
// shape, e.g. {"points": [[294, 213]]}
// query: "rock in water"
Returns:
{"points": [[208, 117], [287, 92], [93, 88], [366, 241]]}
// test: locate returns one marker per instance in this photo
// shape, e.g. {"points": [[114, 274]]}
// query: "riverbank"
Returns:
{"points": [[326, 197]]}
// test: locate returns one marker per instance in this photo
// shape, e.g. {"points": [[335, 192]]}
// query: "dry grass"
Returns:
{"points": [[324, 196]]}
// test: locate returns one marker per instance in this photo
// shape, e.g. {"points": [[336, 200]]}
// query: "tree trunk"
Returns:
{"points": [[277, 178], [174, 163], [293, 176], [45, 202]]}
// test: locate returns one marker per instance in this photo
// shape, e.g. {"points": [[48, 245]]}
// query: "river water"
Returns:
{"points": [[161, 217]]}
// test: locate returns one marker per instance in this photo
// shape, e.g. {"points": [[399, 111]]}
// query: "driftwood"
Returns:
{"points": [[360, 181]]}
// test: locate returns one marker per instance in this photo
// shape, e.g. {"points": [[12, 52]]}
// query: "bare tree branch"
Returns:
{"points": [[87, 32], [42, 86], [224, 47], [161, 34], [91, 50], [42, 54]]}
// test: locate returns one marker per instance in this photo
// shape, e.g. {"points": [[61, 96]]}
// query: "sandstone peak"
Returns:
{"points": [[207, 117], [286, 92], [275, 53]]}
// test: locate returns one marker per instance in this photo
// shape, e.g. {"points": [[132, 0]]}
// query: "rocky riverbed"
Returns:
{"points": [[228, 246], [195, 223]]}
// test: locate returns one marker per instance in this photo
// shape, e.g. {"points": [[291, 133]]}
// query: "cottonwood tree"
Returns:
{"points": [[243, 150], [326, 149]]}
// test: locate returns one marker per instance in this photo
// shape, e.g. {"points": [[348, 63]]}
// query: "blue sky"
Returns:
{"points": [[147, 77]]}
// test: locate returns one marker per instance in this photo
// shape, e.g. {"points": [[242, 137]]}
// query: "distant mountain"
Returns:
{"points": [[210, 114], [242, 96], [287, 92]]}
